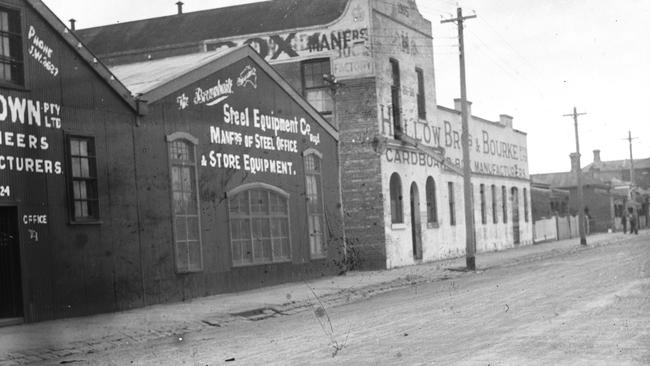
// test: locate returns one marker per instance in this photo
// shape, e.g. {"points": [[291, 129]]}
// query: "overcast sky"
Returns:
{"points": [[531, 59]]}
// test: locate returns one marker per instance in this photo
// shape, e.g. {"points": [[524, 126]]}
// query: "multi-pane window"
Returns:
{"points": [[483, 210], [185, 205], [395, 90], [432, 209], [11, 49], [504, 204], [316, 89], [259, 225], [495, 217], [452, 204], [422, 110], [525, 205], [314, 194], [83, 179], [396, 210]]}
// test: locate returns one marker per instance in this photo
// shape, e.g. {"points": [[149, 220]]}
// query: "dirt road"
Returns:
{"points": [[588, 307]]}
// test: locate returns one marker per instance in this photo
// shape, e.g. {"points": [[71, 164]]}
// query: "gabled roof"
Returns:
{"points": [[62, 30], [617, 165], [156, 79], [261, 17], [566, 180]]}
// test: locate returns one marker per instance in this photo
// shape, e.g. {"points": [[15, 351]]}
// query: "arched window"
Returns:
{"points": [[259, 224], [314, 195], [185, 202], [396, 210], [432, 205]]}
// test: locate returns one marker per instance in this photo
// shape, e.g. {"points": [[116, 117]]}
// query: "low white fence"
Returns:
{"points": [[557, 228], [545, 229]]}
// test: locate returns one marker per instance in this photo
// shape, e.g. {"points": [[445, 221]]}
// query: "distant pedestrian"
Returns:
{"points": [[624, 222], [633, 225]]}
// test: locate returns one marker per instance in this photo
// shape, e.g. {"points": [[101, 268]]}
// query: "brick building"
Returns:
{"points": [[366, 66], [618, 173], [602, 203], [547, 202], [619, 169]]}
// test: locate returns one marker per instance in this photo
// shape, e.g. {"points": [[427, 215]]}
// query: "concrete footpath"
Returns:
{"points": [[64, 340]]}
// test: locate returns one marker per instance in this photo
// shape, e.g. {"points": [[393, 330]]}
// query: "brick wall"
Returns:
{"points": [[361, 177], [597, 202]]}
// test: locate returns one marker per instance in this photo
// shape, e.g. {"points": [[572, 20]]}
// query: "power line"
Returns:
{"points": [[505, 66], [505, 41]]}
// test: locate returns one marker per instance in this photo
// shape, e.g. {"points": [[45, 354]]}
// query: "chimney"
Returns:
{"points": [[72, 21], [458, 106], [505, 120], [596, 156], [180, 7], [574, 161]]}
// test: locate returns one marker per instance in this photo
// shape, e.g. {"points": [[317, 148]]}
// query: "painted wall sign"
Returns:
{"points": [[264, 133], [494, 150], [346, 43], [16, 113], [33, 235], [251, 138], [248, 77], [210, 96], [35, 219], [297, 45], [408, 157], [41, 52]]}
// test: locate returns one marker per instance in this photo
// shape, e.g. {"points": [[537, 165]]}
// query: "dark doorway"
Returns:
{"points": [[416, 227], [515, 215], [11, 303]]}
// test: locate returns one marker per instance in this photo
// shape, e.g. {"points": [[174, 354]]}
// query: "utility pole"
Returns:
{"points": [[629, 139], [470, 239], [631, 190], [581, 205]]}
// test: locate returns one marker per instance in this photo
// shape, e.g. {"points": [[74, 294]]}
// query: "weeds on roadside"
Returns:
{"points": [[325, 322]]}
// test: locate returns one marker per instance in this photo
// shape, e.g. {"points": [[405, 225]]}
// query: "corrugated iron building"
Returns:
{"points": [[367, 66], [216, 176], [69, 239], [237, 175]]}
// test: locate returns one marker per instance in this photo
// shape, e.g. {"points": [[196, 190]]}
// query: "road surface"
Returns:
{"points": [[586, 307]]}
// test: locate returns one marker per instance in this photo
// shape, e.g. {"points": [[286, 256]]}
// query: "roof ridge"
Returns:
{"points": [[119, 23], [83, 51], [272, 18]]}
